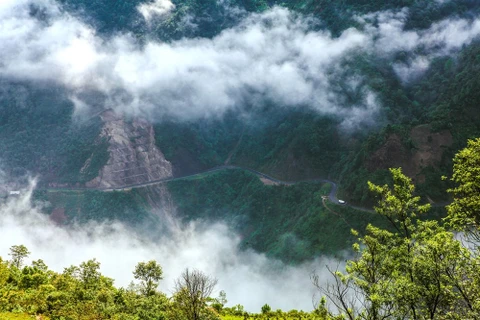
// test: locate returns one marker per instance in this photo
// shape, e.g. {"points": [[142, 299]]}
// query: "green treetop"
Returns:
{"points": [[149, 273], [464, 211]]}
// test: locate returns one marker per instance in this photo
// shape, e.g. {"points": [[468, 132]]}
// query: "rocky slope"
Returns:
{"points": [[133, 156]]}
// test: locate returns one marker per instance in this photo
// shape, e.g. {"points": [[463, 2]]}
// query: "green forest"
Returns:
{"points": [[41, 136], [415, 269], [287, 222], [290, 223]]}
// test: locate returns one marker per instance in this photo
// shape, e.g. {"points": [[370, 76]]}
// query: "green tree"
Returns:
{"points": [[399, 205], [416, 270], [4, 273], [266, 309], [220, 302], [464, 211], [89, 273], [222, 298], [149, 273], [35, 275], [18, 254]]}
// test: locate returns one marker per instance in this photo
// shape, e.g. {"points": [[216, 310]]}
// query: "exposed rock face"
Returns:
{"points": [[134, 158]]}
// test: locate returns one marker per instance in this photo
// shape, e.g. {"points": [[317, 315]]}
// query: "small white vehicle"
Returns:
{"points": [[341, 201]]}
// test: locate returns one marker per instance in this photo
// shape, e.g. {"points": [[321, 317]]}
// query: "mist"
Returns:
{"points": [[443, 38], [156, 8], [268, 58], [248, 278]]}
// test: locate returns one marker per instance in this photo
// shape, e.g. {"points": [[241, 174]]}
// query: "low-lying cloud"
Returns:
{"points": [[442, 38], [248, 278], [155, 8], [272, 57]]}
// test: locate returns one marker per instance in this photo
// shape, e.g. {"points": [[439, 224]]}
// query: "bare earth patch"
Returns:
{"points": [[428, 151], [269, 182], [58, 216]]}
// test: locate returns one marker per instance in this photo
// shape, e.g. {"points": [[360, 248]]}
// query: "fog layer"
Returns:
{"points": [[248, 278], [273, 57]]}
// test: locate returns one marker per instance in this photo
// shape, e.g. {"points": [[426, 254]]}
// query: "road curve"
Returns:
{"points": [[332, 195]]}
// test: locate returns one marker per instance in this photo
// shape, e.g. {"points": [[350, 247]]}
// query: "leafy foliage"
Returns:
{"points": [[38, 134], [417, 271], [464, 211], [78, 293], [209, 17], [150, 273]]}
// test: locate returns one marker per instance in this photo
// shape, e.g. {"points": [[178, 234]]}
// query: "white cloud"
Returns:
{"points": [[387, 30], [444, 37], [269, 57], [363, 112], [412, 69], [155, 8], [248, 278]]}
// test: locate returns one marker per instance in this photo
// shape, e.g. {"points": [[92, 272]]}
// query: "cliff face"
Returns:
{"points": [[133, 155]]}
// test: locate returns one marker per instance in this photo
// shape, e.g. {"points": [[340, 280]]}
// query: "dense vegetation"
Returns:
{"points": [[419, 270], [446, 97], [287, 222], [268, 142], [207, 18], [88, 205], [300, 144], [83, 293], [290, 223], [406, 266], [39, 136]]}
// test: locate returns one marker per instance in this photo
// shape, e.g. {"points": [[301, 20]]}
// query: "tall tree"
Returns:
{"points": [[89, 273], [18, 254], [464, 211], [149, 273]]}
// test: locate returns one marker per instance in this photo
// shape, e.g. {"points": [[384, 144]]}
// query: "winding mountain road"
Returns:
{"points": [[332, 196]]}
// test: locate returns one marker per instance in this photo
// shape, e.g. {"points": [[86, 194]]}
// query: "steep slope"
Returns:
{"points": [[133, 158], [133, 155]]}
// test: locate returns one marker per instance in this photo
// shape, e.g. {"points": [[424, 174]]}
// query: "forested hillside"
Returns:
{"points": [[299, 144], [288, 143], [209, 17], [40, 136], [417, 269]]}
